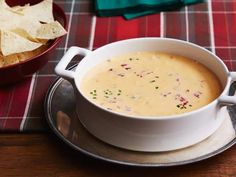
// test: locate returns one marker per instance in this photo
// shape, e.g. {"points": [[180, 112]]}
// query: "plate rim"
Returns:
{"points": [[48, 116]]}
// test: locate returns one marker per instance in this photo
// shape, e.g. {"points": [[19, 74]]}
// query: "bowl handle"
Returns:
{"points": [[225, 99], [60, 69]]}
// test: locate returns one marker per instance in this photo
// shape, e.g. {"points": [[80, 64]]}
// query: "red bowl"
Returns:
{"points": [[16, 72]]}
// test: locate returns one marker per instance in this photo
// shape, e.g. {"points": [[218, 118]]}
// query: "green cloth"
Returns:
{"points": [[134, 8]]}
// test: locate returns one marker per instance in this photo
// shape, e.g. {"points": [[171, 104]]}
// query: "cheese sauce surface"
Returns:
{"points": [[151, 84]]}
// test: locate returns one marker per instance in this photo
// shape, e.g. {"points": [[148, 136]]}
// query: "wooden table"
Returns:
{"points": [[44, 155]]}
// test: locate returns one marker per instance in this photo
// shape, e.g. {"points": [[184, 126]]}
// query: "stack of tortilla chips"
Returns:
{"points": [[26, 30]]}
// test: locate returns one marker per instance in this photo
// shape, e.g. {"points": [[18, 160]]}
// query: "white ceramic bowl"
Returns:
{"points": [[147, 133]]}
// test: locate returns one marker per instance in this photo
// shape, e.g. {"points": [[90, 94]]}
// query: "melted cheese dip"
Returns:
{"points": [[151, 84]]}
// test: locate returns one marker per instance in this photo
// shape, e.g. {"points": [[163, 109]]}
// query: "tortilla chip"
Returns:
{"points": [[42, 11], [6, 14], [3, 5], [26, 55], [1, 61], [11, 59], [9, 19], [19, 8], [8, 60], [23, 33], [30, 26], [12, 43], [50, 31], [16, 58], [0, 45]]}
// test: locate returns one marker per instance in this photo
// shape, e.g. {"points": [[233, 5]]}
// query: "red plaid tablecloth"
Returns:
{"points": [[211, 24]]}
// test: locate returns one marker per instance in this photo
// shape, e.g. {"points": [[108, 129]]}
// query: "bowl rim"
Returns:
{"points": [[153, 118], [53, 44]]}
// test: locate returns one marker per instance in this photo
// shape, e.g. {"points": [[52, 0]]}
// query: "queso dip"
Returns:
{"points": [[151, 84]]}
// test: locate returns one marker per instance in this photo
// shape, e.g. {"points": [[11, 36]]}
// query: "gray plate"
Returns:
{"points": [[61, 117]]}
